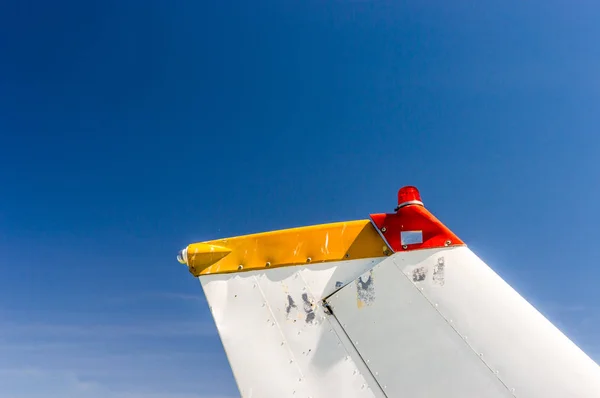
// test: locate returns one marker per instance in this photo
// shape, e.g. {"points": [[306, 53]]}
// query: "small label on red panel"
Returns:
{"points": [[411, 237]]}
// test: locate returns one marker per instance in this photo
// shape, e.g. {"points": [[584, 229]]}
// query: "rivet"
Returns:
{"points": [[347, 255], [481, 354], [384, 386], [512, 390], [240, 266], [384, 229], [376, 373], [436, 304], [447, 243], [362, 387], [308, 260], [268, 264], [404, 247]]}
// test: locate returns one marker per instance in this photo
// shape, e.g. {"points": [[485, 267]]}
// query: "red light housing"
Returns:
{"points": [[408, 196], [412, 226]]}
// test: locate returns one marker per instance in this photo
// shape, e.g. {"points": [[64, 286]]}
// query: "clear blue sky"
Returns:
{"points": [[129, 129]]}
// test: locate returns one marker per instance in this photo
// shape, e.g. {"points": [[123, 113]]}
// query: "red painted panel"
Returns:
{"points": [[414, 218]]}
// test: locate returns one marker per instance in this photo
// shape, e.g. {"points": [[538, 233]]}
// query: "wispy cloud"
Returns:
{"points": [[185, 297], [34, 382], [66, 331], [566, 308], [161, 352], [111, 361], [159, 296]]}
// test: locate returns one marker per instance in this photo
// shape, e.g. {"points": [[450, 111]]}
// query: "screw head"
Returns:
{"points": [[404, 247], [268, 264], [447, 243], [384, 229], [240, 266]]}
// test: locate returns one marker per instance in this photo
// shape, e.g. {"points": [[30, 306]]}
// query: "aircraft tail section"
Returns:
{"points": [[393, 306]]}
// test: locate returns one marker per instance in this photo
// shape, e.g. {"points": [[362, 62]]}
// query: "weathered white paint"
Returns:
{"points": [[530, 355], [428, 323], [408, 346], [277, 337]]}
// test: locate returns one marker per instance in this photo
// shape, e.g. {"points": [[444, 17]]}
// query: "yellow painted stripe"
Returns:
{"points": [[313, 244]]}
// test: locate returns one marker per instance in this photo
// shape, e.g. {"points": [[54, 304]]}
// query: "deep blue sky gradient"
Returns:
{"points": [[129, 129]]}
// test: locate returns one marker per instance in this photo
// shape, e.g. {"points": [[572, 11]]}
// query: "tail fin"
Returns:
{"points": [[394, 306]]}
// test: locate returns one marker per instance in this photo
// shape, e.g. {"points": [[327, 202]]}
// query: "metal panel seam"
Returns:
{"points": [[381, 234], [338, 324], [453, 328], [306, 284], [262, 293], [328, 315], [322, 299]]}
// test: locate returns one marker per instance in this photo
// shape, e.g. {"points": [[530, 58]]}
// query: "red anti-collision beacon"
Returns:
{"points": [[408, 196], [412, 226]]}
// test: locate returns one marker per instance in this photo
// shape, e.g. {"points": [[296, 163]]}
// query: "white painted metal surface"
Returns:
{"points": [[441, 323], [277, 337], [529, 354], [427, 323], [410, 349]]}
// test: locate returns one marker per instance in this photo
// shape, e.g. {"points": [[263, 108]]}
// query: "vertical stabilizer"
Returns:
{"points": [[394, 306]]}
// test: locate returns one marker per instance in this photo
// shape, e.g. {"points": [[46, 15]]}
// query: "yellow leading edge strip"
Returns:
{"points": [[318, 243]]}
